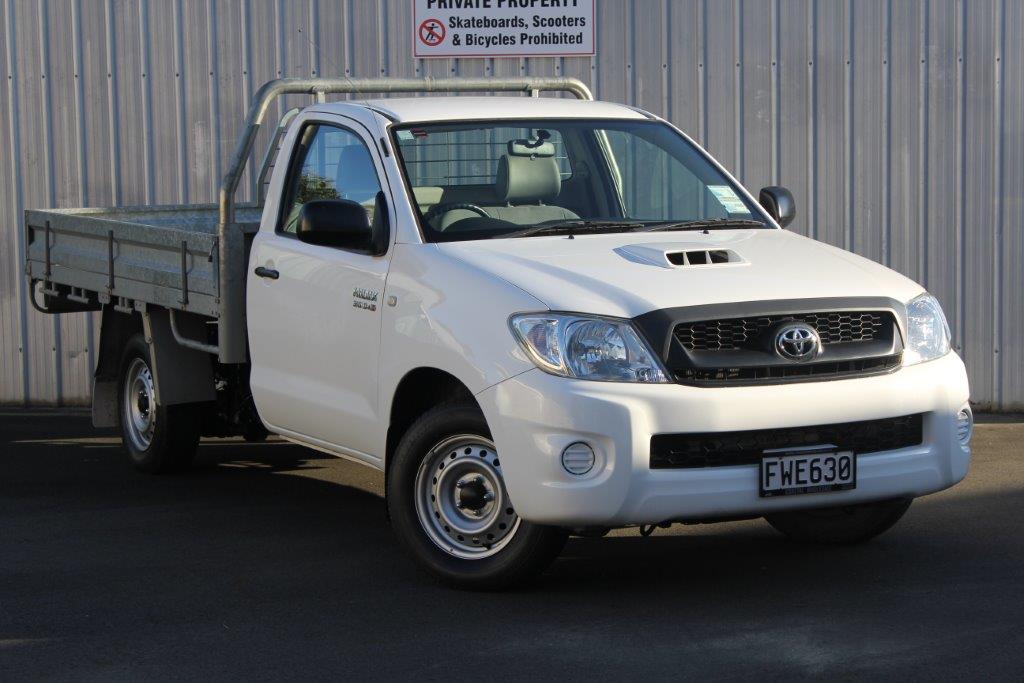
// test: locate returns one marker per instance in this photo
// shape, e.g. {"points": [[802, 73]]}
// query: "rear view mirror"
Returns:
{"points": [[779, 203], [339, 223]]}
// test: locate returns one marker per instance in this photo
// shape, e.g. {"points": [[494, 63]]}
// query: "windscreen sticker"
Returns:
{"points": [[727, 197], [405, 135]]}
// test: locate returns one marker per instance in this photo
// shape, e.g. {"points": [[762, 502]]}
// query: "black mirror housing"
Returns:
{"points": [[779, 203], [344, 224]]}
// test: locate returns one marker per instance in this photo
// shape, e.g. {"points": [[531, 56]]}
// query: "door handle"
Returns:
{"points": [[267, 272]]}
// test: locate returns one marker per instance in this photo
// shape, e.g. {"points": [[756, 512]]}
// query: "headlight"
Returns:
{"points": [[927, 331], [586, 347]]}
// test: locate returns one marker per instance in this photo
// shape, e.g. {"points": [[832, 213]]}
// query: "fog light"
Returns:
{"points": [[578, 458], [964, 425]]}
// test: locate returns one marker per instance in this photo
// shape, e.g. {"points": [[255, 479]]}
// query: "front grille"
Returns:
{"points": [[725, 449], [737, 333], [789, 373]]}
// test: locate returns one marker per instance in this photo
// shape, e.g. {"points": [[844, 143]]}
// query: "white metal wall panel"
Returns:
{"points": [[12, 318], [1011, 389], [899, 126]]}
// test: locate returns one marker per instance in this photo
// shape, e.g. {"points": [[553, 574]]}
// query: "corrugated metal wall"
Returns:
{"points": [[898, 125]]}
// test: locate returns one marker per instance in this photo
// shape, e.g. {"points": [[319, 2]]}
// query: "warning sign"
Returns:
{"points": [[503, 28], [431, 32]]}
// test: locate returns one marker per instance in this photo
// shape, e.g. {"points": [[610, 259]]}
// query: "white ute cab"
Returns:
{"points": [[544, 316]]}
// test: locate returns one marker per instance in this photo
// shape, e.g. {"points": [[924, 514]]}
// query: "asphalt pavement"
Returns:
{"points": [[270, 561]]}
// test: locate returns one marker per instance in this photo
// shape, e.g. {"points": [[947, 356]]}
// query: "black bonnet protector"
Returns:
{"points": [[747, 355]]}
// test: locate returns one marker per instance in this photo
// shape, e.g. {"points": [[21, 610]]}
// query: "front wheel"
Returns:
{"points": [[158, 438], [449, 507], [840, 525]]}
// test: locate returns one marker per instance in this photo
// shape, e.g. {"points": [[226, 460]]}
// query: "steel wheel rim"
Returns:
{"points": [[139, 404], [461, 499]]}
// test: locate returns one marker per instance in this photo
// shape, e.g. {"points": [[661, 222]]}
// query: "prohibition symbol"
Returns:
{"points": [[432, 32]]}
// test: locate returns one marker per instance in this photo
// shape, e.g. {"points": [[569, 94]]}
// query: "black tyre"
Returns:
{"points": [[840, 525], [158, 438], [449, 508]]}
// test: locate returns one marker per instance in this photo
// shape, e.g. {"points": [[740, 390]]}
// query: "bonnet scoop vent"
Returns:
{"points": [[701, 257], [676, 255]]}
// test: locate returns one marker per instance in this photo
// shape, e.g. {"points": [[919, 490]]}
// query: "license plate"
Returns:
{"points": [[794, 471]]}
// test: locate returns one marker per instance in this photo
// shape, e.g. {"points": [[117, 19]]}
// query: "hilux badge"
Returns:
{"points": [[365, 298], [799, 342]]}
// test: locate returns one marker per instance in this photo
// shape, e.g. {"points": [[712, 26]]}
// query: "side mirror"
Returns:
{"points": [[344, 224], [779, 203], [335, 223], [341, 223]]}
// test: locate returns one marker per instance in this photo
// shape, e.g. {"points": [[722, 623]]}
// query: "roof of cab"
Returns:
{"points": [[427, 109]]}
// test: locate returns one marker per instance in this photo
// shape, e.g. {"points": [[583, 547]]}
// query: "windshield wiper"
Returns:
{"points": [[706, 224], [575, 226], [571, 227]]}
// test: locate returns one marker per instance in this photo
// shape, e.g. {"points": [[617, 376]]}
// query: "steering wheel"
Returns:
{"points": [[438, 209]]}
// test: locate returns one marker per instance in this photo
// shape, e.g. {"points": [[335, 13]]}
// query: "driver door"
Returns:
{"points": [[314, 313]]}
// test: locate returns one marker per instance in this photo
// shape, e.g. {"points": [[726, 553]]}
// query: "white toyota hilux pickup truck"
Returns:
{"points": [[537, 316]]}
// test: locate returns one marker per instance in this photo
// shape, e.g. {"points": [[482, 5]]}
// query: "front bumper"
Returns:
{"points": [[534, 416]]}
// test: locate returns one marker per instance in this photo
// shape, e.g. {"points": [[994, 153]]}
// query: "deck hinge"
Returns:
{"points": [[123, 305], [78, 294]]}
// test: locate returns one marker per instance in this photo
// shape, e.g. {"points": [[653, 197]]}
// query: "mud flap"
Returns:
{"points": [[181, 375], [187, 375]]}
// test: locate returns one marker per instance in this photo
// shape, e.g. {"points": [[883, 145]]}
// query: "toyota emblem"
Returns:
{"points": [[798, 342]]}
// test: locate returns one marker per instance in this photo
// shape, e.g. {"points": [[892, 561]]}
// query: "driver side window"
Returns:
{"points": [[329, 163]]}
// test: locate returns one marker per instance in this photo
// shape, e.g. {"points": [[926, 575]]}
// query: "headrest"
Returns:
{"points": [[527, 179], [530, 148], [356, 174], [427, 195]]}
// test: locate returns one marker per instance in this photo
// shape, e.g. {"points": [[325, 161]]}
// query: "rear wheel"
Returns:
{"points": [[158, 438], [449, 507], [840, 525]]}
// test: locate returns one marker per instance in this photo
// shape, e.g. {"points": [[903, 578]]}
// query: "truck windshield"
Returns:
{"points": [[512, 178]]}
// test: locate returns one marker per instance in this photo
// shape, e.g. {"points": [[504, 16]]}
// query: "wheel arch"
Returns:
{"points": [[419, 390]]}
